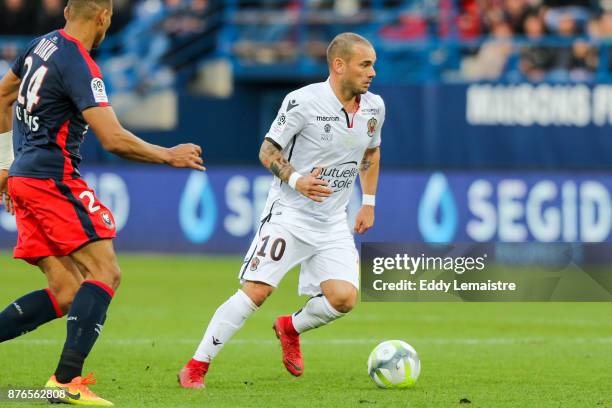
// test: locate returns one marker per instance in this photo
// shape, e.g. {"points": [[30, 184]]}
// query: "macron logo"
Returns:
{"points": [[291, 104]]}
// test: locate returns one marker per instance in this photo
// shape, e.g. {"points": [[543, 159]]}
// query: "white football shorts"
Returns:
{"points": [[323, 255]]}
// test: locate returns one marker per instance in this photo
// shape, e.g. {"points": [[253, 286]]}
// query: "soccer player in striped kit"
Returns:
{"points": [[49, 98]]}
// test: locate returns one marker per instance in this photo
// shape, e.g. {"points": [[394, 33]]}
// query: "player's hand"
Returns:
{"points": [[312, 187], [4, 197], [186, 156], [365, 219]]}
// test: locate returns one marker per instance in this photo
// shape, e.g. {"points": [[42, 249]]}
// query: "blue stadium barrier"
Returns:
{"points": [[165, 210], [539, 126]]}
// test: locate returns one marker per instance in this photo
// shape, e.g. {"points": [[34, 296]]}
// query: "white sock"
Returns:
{"points": [[228, 318], [315, 313]]}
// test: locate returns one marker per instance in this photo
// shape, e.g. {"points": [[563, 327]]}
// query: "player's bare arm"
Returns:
{"points": [[117, 140], [311, 186], [9, 86], [368, 177]]}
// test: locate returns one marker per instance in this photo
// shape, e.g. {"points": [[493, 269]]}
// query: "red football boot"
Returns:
{"points": [[192, 375], [290, 342]]}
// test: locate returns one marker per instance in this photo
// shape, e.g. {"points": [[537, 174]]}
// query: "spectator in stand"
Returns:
{"points": [[601, 29], [491, 59], [535, 59], [16, 17], [556, 12], [515, 12], [50, 16], [469, 22]]}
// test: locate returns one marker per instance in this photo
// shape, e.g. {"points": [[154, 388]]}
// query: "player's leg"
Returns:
{"points": [[274, 251], [74, 223], [226, 321], [87, 313], [338, 297], [331, 278], [41, 306], [230, 317], [86, 317], [33, 246]]}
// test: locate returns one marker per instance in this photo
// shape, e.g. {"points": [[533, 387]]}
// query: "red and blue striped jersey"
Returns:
{"points": [[59, 80]]}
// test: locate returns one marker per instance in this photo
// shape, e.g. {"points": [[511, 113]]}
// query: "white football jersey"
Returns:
{"points": [[314, 130]]}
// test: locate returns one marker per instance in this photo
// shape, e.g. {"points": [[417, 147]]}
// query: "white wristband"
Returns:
{"points": [[293, 178], [6, 150], [368, 199]]}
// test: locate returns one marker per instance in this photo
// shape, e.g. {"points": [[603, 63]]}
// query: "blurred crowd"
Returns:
{"points": [[513, 39], [560, 39], [36, 17], [537, 40]]}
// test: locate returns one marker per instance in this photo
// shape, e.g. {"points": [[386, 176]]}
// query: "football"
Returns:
{"points": [[394, 364]]}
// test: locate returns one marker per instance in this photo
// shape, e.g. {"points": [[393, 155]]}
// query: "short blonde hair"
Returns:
{"points": [[342, 46]]}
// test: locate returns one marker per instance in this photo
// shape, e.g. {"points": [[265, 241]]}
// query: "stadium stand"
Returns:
{"points": [[445, 40]]}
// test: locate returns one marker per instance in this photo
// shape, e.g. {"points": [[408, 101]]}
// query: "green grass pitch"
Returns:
{"points": [[492, 354]]}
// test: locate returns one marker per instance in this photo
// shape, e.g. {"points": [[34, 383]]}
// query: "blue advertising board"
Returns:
{"points": [[537, 126], [166, 210]]}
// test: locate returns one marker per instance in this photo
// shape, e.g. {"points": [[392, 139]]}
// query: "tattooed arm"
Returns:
{"points": [[368, 177], [272, 158], [368, 171]]}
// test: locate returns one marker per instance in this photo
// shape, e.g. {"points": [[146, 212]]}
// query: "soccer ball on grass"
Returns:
{"points": [[394, 364]]}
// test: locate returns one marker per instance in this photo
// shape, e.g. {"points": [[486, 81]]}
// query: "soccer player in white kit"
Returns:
{"points": [[325, 135]]}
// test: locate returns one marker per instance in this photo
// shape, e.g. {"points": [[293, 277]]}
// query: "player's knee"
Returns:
{"points": [[108, 272], [64, 293], [343, 300], [258, 292]]}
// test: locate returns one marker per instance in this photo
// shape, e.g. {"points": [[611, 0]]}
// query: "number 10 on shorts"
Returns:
{"points": [[277, 249]]}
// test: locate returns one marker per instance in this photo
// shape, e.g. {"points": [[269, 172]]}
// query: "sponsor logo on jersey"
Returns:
{"points": [[340, 176], [282, 119], [291, 104], [99, 90], [371, 111], [328, 118], [372, 126]]}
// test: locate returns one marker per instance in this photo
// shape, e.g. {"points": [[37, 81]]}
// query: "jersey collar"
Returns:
{"points": [[64, 34]]}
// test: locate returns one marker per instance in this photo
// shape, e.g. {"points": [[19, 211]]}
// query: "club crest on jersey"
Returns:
{"points": [[254, 263], [99, 90], [327, 136], [107, 220], [372, 126]]}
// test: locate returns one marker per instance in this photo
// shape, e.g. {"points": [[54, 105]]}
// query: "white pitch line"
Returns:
{"points": [[347, 341]]}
